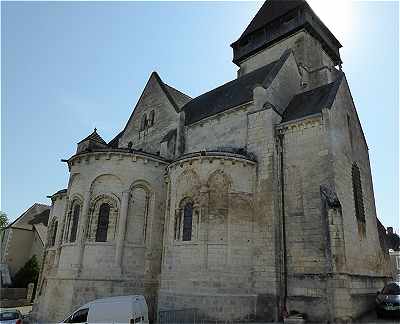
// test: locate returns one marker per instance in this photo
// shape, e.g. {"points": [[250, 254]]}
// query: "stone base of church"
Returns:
{"points": [[334, 298], [62, 296], [221, 307]]}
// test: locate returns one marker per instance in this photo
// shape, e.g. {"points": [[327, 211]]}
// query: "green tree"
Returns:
{"points": [[3, 220], [27, 274]]}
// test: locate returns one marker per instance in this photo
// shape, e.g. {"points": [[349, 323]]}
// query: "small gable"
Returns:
{"points": [[92, 142], [155, 114]]}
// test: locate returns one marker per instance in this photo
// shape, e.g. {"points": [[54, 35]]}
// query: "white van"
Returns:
{"points": [[121, 309]]}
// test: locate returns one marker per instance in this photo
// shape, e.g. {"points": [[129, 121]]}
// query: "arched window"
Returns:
{"points": [[357, 193], [143, 123], [187, 222], [151, 118], [75, 220], [102, 225], [53, 233]]}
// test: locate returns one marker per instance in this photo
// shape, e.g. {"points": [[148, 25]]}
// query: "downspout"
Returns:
{"points": [[283, 311]]}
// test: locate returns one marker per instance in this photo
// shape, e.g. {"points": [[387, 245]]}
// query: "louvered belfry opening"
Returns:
{"points": [[102, 225]]}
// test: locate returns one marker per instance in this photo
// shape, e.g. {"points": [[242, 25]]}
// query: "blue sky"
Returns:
{"points": [[67, 67]]}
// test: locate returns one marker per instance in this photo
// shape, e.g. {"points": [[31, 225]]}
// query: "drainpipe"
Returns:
{"points": [[283, 311]]}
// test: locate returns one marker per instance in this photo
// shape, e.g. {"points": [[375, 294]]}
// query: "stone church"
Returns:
{"points": [[250, 201]]}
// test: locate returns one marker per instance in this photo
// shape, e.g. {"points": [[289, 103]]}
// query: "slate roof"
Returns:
{"points": [[312, 102], [229, 95], [175, 97], [276, 20], [94, 137], [114, 142], [42, 218], [178, 97], [269, 11], [29, 214]]}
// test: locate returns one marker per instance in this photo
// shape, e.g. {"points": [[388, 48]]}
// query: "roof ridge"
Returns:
{"points": [[247, 75], [167, 93], [334, 90], [231, 94], [25, 212], [256, 24], [276, 68], [180, 92]]}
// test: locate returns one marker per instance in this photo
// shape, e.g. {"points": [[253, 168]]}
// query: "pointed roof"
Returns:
{"points": [[270, 10], [29, 214], [176, 98], [278, 19], [41, 218], [94, 137]]}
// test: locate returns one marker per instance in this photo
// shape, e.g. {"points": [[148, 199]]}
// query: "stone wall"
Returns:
{"points": [[306, 168], [348, 146], [211, 271], [227, 130], [307, 51], [16, 255], [366, 265]]}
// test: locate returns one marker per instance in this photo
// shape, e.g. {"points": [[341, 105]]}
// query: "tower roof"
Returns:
{"points": [[270, 10], [94, 137], [278, 19]]}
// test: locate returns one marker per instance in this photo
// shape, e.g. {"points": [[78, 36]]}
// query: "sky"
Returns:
{"points": [[67, 67]]}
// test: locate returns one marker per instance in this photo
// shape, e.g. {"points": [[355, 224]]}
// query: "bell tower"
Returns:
{"points": [[288, 24]]}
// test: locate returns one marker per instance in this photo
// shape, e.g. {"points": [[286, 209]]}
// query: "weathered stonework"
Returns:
{"points": [[239, 203]]}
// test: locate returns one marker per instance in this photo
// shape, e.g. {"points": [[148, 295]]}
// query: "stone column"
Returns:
{"points": [[166, 222], [121, 229], [82, 233], [60, 234], [203, 234], [180, 136]]}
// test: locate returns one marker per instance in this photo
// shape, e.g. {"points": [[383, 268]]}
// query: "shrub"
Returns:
{"points": [[27, 274]]}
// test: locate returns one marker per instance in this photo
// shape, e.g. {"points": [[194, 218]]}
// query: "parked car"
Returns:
{"points": [[122, 309], [13, 316], [388, 300]]}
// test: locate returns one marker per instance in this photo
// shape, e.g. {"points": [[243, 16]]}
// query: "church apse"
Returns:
{"points": [[112, 234], [208, 244]]}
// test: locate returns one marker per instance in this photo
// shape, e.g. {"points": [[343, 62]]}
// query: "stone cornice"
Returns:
{"points": [[121, 154], [58, 195], [210, 156], [300, 124]]}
